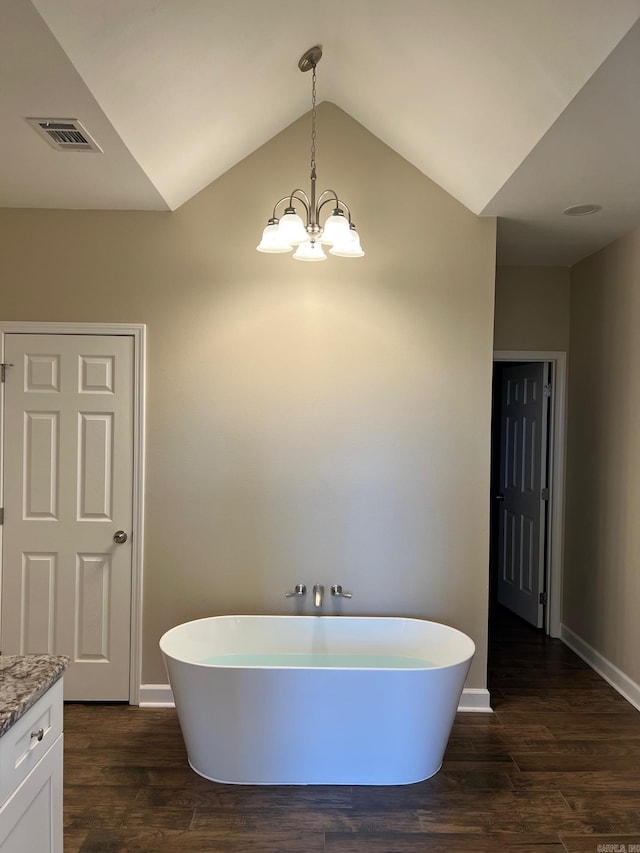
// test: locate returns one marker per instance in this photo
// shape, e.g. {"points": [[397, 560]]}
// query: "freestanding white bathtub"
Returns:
{"points": [[316, 700]]}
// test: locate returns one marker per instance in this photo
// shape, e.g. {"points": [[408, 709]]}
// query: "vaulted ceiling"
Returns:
{"points": [[517, 108]]}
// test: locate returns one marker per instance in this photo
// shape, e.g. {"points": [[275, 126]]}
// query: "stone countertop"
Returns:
{"points": [[23, 680]]}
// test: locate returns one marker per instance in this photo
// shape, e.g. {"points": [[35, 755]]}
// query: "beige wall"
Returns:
{"points": [[307, 423], [532, 308], [602, 581]]}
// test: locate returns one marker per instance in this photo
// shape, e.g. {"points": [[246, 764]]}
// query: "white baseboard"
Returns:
{"points": [[476, 700], [609, 671], [156, 696], [160, 696]]}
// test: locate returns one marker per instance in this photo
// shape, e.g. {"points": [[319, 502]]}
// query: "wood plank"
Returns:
{"points": [[571, 781], [618, 811], [194, 841], [208, 797], [106, 807], [438, 843], [603, 748], [591, 843], [530, 813], [314, 820], [74, 839], [550, 762]]}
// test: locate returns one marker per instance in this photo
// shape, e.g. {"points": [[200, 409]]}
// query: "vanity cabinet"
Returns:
{"points": [[31, 778]]}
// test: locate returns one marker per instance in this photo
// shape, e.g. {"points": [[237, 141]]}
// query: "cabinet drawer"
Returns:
{"points": [[29, 738], [31, 819]]}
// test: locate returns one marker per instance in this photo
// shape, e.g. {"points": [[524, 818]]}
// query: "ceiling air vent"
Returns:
{"points": [[65, 134]]}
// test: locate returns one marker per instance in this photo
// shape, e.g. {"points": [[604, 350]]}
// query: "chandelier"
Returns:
{"points": [[309, 235]]}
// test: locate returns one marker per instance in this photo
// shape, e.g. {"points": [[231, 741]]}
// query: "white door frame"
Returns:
{"points": [[138, 332], [557, 457]]}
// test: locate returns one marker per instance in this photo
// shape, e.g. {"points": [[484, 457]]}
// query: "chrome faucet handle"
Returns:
{"points": [[298, 591], [336, 590]]}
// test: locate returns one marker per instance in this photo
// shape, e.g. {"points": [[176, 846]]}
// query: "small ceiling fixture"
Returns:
{"points": [[309, 235], [582, 209]]}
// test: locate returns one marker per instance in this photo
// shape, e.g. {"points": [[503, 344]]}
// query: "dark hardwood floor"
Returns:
{"points": [[556, 769]]}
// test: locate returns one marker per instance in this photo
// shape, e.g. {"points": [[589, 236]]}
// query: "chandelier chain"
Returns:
{"points": [[313, 121]]}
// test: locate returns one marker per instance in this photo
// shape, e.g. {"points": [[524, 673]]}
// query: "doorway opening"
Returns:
{"points": [[527, 486]]}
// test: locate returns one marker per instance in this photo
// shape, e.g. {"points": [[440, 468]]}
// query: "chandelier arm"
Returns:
{"points": [[332, 195], [338, 202], [300, 195], [277, 205], [322, 204], [346, 207]]}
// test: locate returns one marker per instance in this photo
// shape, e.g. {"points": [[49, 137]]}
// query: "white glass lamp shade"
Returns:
{"points": [[350, 248], [291, 229], [310, 250], [336, 229], [271, 241]]}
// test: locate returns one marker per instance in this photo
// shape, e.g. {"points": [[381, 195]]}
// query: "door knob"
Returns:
{"points": [[120, 537]]}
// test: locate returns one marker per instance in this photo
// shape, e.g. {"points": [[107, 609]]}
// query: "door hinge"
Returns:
{"points": [[546, 390], [3, 370], [543, 598], [1, 516], [544, 494]]}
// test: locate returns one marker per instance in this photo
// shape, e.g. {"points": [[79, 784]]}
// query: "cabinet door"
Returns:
{"points": [[31, 819]]}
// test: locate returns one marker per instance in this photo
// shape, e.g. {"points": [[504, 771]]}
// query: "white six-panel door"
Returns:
{"points": [[68, 474], [521, 508]]}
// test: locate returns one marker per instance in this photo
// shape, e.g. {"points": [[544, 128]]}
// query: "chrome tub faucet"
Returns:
{"points": [[300, 590]]}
